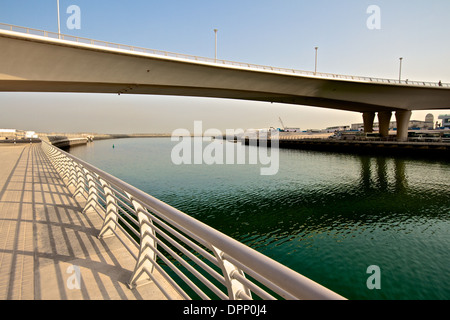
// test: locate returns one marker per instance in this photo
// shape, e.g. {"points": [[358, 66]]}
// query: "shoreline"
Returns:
{"points": [[63, 140], [428, 150], [66, 140], [438, 151]]}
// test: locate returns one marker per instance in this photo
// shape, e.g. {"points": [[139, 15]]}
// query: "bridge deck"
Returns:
{"points": [[45, 238]]}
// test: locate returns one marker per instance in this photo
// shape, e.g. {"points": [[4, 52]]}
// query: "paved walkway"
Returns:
{"points": [[48, 248]]}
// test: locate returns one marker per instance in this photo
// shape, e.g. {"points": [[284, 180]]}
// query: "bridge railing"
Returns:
{"points": [[54, 35], [197, 261]]}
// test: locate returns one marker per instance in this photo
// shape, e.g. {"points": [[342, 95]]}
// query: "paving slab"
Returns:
{"points": [[49, 248]]}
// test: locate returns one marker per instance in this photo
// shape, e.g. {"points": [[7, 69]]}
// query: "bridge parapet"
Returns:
{"points": [[110, 45]]}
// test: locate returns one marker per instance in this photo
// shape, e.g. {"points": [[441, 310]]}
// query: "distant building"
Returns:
{"points": [[445, 120], [357, 126], [429, 121], [418, 125], [337, 128], [292, 130], [7, 130], [8, 133], [31, 135], [360, 126]]}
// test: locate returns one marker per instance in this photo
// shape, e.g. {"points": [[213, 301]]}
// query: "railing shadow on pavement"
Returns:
{"points": [[49, 250]]}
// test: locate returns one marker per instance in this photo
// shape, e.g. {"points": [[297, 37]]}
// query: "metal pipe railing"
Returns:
{"points": [[56, 36], [196, 260]]}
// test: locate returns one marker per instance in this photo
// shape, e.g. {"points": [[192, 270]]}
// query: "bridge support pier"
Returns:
{"points": [[402, 117], [384, 119], [368, 118]]}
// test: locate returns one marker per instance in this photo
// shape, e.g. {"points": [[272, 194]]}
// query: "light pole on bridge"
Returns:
{"points": [[59, 20], [400, 71], [215, 55], [315, 64]]}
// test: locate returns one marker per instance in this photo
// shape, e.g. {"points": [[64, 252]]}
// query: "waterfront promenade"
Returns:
{"points": [[49, 248]]}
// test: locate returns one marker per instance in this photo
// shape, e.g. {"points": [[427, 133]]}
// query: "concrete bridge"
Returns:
{"points": [[41, 61]]}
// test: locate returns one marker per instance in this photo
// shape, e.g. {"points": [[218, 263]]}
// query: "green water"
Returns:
{"points": [[328, 216]]}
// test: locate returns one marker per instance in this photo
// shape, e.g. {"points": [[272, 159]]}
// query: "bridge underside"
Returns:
{"points": [[80, 87], [37, 64]]}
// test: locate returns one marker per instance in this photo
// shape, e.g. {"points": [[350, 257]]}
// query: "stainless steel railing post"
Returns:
{"points": [[236, 289], [92, 198], [110, 219], [146, 261], [81, 181], [71, 173]]}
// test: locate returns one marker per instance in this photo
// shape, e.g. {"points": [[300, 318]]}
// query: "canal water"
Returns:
{"points": [[329, 216]]}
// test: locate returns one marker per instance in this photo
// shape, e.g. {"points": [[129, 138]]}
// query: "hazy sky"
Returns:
{"points": [[280, 33]]}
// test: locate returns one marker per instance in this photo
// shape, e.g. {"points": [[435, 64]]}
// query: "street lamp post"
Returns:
{"points": [[215, 55], [59, 20], [315, 65], [400, 71]]}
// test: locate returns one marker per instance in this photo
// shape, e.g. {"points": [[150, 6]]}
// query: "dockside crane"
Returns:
{"points": [[282, 124]]}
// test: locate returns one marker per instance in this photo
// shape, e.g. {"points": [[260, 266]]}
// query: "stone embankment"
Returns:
{"points": [[65, 140]]}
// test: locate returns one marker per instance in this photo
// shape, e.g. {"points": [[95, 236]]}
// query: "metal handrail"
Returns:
{"points": [[195, 259], [54, 35]]}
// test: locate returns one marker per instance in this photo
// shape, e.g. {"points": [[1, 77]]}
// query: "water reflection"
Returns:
{"points": [[401, 182], [321, 212], [379, 179], [312, 191], [380, 202]]}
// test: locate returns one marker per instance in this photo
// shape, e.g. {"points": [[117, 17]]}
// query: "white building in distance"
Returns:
{"points": [[445, 120]]}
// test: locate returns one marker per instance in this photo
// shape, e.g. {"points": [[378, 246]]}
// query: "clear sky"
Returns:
{"points": [[280, 33]]}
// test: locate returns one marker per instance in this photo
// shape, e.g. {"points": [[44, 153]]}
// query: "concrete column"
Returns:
{"points": [[368, 118], [403, 117], [384, 119]]}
